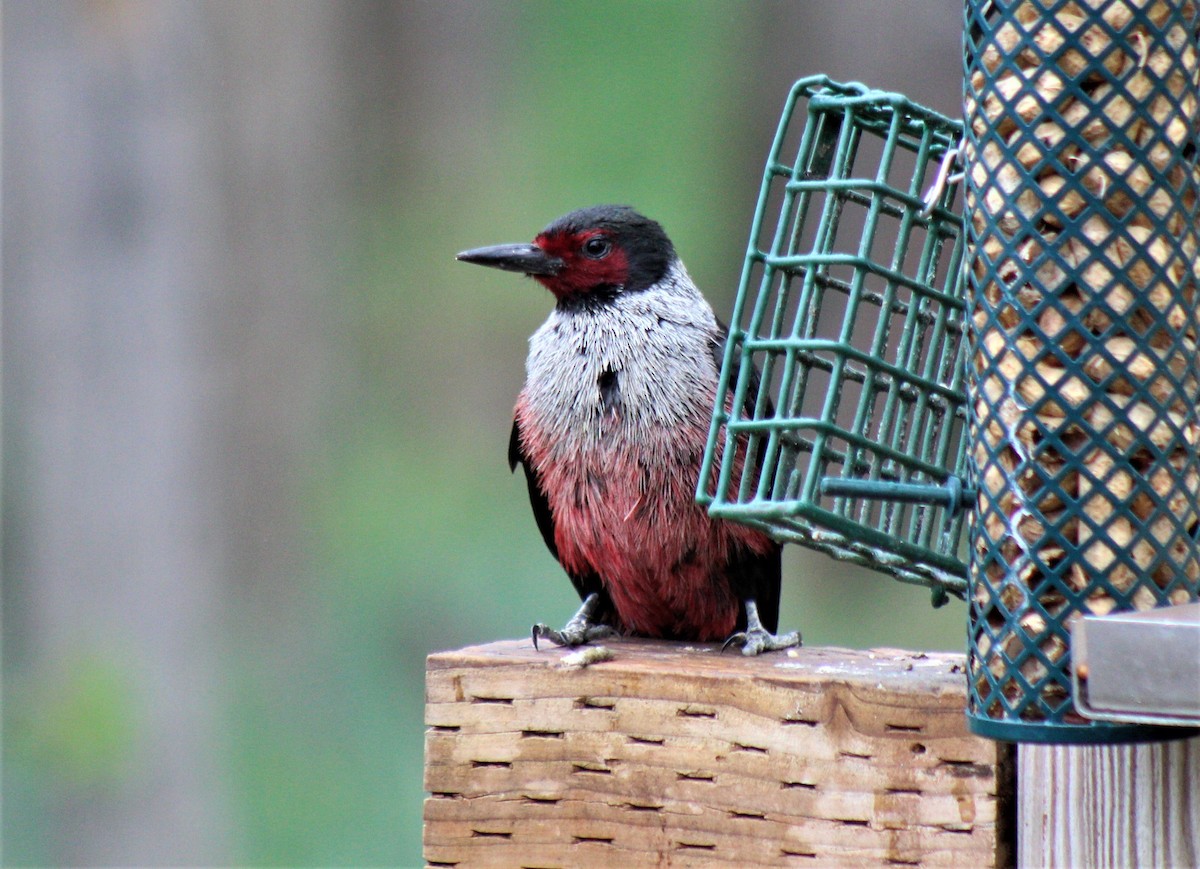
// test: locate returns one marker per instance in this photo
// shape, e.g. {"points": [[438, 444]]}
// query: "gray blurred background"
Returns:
{"points": [[255, 415]]}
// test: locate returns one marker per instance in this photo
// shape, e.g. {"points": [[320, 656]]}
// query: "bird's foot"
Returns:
{"points": [[579, 630], [756, 639], [759, 640], [572, 635]]}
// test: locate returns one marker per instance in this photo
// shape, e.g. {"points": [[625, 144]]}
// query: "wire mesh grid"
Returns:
{"points": [[845, 362], [1082, 194]]}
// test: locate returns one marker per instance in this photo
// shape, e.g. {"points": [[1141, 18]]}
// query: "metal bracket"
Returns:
{"points": [[1140, 667]]}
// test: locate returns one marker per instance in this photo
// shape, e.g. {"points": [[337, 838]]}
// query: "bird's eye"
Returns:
{"points": [[597, 247]]}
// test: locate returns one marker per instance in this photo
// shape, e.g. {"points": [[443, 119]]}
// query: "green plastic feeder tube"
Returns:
{"points": [[1082, 191]]}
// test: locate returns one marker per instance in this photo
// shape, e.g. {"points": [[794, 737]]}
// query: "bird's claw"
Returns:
{"points": [[757, 640], [580, 629], [574, 634]]}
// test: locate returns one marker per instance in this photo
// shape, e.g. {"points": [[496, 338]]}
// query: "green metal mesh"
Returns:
{"points": [[1082, 203], [851, 306]]}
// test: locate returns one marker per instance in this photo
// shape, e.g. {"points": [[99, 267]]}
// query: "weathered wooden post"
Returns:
{"points": [[668, 754]]}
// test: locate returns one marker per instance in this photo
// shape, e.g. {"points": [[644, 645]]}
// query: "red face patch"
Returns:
{"points": [[591, 260]]}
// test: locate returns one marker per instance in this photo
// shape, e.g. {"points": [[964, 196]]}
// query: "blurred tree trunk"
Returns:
{"points": [[167, 196]]}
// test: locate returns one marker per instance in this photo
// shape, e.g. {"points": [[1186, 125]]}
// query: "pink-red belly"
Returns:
{"points": [[662, 559]]}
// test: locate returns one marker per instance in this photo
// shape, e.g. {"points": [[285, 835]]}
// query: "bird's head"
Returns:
{"points": [[592, 253]]}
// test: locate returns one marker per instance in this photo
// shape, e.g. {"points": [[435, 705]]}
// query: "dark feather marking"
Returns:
{"points": [[610, 391], [688, 559], [598, 484]]}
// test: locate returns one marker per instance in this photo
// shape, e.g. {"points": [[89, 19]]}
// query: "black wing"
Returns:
{"points": [[585, 583], [759, 577], [753, 575], [717, 346]]}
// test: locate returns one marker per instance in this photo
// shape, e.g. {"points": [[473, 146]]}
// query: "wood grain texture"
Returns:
{"points": [[1110, 805], [674, 755]]}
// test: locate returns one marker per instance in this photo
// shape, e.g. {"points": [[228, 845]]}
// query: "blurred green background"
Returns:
{"points": [[255, 415]]}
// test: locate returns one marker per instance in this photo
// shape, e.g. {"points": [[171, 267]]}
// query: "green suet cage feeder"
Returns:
{"points": [[851, 307], [1002, 408]]}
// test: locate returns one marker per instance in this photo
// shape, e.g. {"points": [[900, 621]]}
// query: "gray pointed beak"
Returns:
{"points": [[528, 259]]}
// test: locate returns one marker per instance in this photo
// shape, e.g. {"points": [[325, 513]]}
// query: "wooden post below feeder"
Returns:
{"points": [[1110, 805], [667, 754]]}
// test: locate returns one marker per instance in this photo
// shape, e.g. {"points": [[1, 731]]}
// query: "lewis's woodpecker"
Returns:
{"points": [[610, 428]]}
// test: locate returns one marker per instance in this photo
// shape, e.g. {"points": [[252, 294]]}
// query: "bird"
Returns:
{"points": [[610, 428]]}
